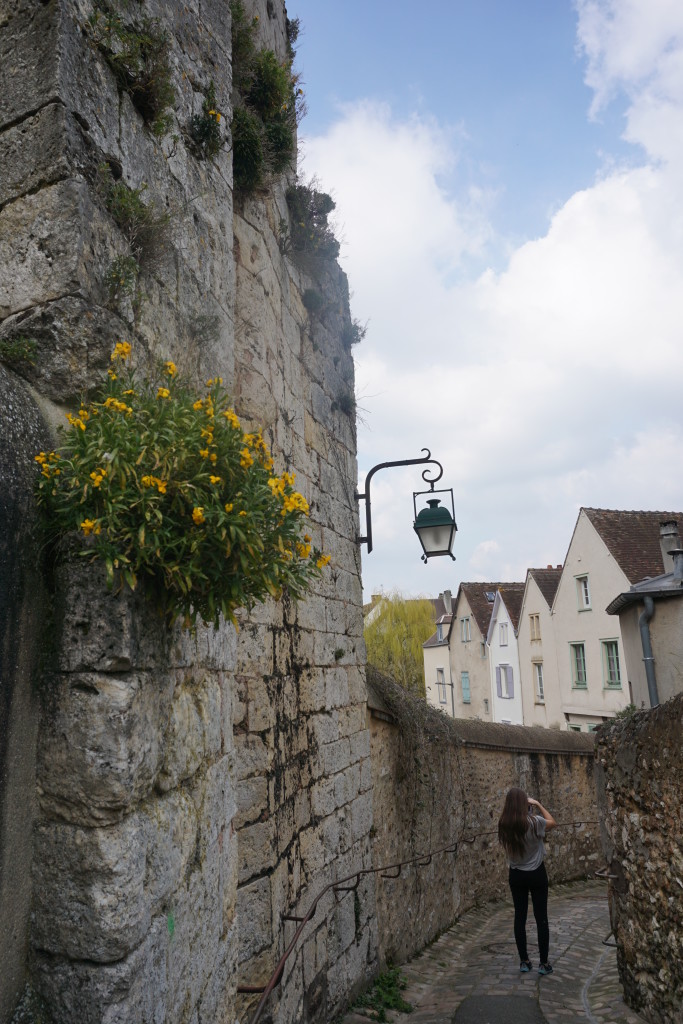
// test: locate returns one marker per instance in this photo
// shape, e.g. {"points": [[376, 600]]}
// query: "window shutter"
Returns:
{"points": [[511, 685], [499, 685]]}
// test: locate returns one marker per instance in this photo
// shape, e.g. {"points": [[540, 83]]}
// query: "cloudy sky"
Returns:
{"points": [[509, 189]]}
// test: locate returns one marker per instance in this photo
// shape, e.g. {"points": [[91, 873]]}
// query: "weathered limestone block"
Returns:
{"points": [[74, 340], [194, 728], [170, 825], [252, 800], [34, 153], [88, 890], [101, 744], [210, 648], [254, 915], [29, 58], [257, 849], [56, 241], [251, 756], [215, 801], [134, 990]]}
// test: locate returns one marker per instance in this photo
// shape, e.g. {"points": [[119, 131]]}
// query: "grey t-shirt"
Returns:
{"points": [[534, 850]]}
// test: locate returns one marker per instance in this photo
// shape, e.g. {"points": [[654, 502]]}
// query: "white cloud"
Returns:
{"points": [[552, 384]]}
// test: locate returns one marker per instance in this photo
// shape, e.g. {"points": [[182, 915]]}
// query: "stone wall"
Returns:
{"points": [[438, 781], [639, 772], [190, 790]]}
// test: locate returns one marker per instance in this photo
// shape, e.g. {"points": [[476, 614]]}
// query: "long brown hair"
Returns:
{"points": [[514, 822]]}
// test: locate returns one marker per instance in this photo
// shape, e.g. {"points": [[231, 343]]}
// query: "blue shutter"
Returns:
{"points": [[511, 684], [499, 686]]}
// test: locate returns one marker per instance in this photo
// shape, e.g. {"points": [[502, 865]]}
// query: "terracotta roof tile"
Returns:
{"points": [[632, 538], [481, 608], [512, 594], [547, 581]]}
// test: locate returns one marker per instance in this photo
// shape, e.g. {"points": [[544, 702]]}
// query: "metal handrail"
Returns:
{"points": [[421, 860]]}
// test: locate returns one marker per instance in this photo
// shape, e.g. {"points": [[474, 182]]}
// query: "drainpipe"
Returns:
{"points": [[648, 657]]}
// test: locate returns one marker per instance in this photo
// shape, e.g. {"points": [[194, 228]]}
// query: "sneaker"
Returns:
{"points": [[525, 967], [545, 969]]}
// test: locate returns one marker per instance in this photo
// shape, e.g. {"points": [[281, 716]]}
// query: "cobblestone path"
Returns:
{"points": [[471, 974]]}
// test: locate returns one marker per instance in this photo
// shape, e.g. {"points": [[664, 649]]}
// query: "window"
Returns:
{"points": [[439, 633], [505, 686], [503, 627], [578, 656], [465, 683], [610, 664], [583, 594], [538, 677], [441, 685], [535, 627], [593, 726], [465, 629], [574, 728], [490, 596]]}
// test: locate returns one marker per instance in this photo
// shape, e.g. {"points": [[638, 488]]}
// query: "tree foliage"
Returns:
{"points": [[394, 639]]}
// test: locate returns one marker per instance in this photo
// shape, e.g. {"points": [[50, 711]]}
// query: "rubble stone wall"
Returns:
{"points": [[439, 782], [639, 772]]}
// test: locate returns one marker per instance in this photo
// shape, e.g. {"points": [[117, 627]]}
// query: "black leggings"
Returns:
{"points": [[521, 884]]}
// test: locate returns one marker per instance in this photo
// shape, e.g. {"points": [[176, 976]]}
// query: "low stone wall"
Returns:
{"points": [[437, 782], [639, 773]]}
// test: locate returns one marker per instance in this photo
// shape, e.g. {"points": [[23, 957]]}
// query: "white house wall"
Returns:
{"points": [[436, 658], [588, 556], [548, 712], [503, 656]]}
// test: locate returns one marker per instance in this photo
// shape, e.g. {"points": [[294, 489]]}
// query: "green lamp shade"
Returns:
{"points": [[436, 528]]}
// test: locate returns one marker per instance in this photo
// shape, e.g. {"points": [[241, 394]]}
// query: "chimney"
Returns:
{"points": [[669, 541], [677, 555], [447, 599]]}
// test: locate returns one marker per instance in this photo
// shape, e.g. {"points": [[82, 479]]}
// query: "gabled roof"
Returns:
{"points": [[632, 538], [547, 581], [512, 594], [481, 607], [444, 620]]}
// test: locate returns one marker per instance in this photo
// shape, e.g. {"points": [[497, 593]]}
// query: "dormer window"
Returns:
{"points": [[490, 596]]}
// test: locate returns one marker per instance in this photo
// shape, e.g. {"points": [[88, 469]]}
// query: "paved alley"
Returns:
{"points": [[471, 974]]}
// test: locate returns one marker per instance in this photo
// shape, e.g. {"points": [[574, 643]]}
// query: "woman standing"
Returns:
{"points": [[521, 828]]}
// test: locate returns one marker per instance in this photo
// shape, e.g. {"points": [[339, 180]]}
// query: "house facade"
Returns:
{"points": [[536, 646], [437, 669], [501, 639]]}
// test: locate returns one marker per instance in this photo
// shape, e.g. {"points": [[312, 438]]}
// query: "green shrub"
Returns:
{"points": [[248, 151], [267, 105], [18, 351], [145, 229], [312, 300], [385, 995], [139, 59], [309, 232], [205, 132], [122, 276], [353, 332], [165, 486]]}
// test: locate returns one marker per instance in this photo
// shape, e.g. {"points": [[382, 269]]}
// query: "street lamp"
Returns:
{"points": [[434, 525]]}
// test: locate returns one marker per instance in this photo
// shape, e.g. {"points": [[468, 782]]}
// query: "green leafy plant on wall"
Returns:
{"points": [[309, 233], [138, 55], [18, 351], [384, 995], [205, 128], [165, 485], [267, 106], [143, 225]]}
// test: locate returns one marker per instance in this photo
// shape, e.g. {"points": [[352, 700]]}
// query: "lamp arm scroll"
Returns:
{"points": [[365, 496]]}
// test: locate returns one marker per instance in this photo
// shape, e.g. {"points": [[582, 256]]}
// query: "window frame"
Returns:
{"points": [[466, 698], [607, 685], [576, 683], [539, 691], [441, 685], [583, 593], [465, 631], [502, 634], [573, 727], [534, 626]]}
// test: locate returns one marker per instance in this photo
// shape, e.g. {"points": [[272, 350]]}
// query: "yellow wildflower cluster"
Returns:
{"points": [[215, 479], [171, 368], [113, 403], [122, 350], [229, 507], [163, 393], [303, 550], [48, 464], [198, 515], [97, 476], [278, 484], [91, 526], [75, 421], [295, 503], [323, 561], [246, 458], [232, 418], [214, 382], [215, 114], [154, 481]]}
